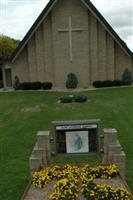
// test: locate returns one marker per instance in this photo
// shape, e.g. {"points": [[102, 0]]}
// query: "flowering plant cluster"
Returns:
{"points": [[43, 177], [93, 191], [72, 180], [106, 172], [65, 189]]}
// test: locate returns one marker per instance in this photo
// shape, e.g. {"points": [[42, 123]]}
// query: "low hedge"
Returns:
{"points": [[25, 86], [66, 99], [79, 98], [109, 83], [36, 85], [47, 85]]}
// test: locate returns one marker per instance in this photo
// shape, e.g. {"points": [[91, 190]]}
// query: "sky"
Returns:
{"points": [[17, 16]]}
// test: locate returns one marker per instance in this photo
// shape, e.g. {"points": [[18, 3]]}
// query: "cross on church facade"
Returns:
{"points": [[70, 30]]}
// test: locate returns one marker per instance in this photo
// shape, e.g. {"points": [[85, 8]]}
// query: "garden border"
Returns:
{"points": [[91, 165]]}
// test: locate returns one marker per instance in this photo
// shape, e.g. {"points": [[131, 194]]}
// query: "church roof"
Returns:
{"points": [[90, 7]]}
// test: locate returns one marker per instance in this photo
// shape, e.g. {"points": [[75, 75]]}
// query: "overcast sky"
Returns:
{"points": [[17, 16]]}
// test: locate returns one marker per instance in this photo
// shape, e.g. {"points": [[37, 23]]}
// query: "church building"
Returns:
{"points": [[70, 36]]}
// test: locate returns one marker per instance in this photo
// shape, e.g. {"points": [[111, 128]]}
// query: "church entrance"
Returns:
{"points": [[5, 77], [8, 77]]}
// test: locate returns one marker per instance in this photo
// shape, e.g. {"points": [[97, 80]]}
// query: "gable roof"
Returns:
{"points": [[90, 7]]}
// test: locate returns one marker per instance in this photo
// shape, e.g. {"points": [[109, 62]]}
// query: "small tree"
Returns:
{"points": [[71, 81], [16, 84], [127, 76]]}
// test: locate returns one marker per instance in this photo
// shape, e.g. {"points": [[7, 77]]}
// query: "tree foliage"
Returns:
{"points": [[7, 46]]}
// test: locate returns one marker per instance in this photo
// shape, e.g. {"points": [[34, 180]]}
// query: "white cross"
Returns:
{"points": [[70, 30]]}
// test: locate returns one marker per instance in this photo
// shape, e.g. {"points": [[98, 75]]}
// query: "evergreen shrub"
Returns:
{"points": [[80, 98], [36, 85], [109, 83], [72, 81], [66, 99], [16, 84], [98, 84], [127, 77], [25, 86], [47, 85]]}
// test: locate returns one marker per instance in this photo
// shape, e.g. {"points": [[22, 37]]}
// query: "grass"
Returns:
{"points": [[18, 129]]}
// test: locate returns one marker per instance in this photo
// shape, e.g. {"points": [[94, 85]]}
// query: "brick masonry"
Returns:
{"points": [[95, 53], [113, 152], [41, 154]]}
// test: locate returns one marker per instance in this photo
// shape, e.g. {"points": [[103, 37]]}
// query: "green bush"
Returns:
{"points": [[31, 85], [66, 99], [98, 84], [36, 85], [16, 84], [47, 85], [80, 98], [25, 86], [72, 81], [117, 83], [107, 83], [127, 77]]}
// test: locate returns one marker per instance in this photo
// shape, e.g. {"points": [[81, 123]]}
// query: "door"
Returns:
{"points": [[8, 77]]}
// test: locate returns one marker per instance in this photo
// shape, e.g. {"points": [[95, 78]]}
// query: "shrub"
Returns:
{"points": [[127, 77], [80, 98], [108, 83], [66, 99], [36, 85], [127, 82], [25, 86], [117, 83], [71, 81], [1, 84], [47, 85], [98, 84], [16, 84]]}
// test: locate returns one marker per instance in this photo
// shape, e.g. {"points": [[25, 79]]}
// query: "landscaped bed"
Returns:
{"points": [[78, 183]]}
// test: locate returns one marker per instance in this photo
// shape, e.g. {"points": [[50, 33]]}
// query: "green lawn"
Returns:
{"points": [[18, 129]]}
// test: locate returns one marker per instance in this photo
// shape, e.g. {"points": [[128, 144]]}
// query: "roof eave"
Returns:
{"points": [[45, 12], [33, 28], [107, 26]]}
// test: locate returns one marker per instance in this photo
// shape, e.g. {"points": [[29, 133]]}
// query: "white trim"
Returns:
{"points": [[80, 30]]}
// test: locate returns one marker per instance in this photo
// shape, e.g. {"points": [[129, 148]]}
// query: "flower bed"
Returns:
{"points": [[74, 180]]}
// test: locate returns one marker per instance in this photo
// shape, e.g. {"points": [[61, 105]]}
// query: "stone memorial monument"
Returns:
{"points": [[76, 136]]}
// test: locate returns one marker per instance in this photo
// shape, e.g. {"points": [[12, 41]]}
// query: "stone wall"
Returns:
{"points": [[113, 152], [41, 154]]}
